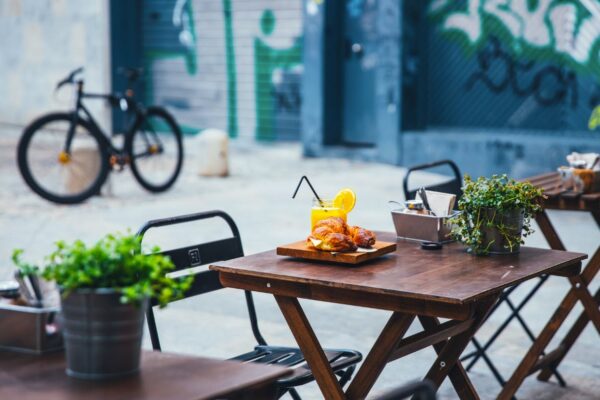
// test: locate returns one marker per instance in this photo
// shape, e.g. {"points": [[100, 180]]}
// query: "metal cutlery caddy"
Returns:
{"points": [[27, 329], [422, 227]]}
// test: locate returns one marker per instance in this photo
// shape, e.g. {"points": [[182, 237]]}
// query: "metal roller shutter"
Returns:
{"points": [[235, 65]]}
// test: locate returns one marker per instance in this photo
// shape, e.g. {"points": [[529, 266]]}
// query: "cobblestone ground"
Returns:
{"points": [[257, 195]]}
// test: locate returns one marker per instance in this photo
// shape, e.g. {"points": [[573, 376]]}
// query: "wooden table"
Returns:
{"points": [[162, 376], [534, 360], [412, 283]]}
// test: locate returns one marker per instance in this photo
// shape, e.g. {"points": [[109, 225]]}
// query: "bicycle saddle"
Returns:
{"points": [[130, 73]]}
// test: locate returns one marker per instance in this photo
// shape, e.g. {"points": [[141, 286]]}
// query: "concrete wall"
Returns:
{"points": [[229, 64], [41, 41]]}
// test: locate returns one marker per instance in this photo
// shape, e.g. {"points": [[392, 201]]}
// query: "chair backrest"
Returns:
{"points": [[453, 185], [201, 254]]}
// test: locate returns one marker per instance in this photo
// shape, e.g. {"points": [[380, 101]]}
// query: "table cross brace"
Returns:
{"points": [[390, 346]]}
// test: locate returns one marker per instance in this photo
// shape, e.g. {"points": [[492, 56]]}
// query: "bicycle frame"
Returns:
{"points": [[114, 100]]}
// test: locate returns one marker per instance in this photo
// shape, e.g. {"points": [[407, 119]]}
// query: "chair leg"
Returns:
{"points": [[514, 313], [488, 361], [346, 375], [529, 333], [294, 394]]}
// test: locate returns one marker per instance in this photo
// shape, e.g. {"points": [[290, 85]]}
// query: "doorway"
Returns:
{"points": [[359, 67]]}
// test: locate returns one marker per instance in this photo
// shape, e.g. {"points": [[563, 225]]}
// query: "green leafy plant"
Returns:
{"points": [[113, 262], [483, 203]]}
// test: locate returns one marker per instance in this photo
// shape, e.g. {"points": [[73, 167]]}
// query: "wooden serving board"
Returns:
{"points": [[301, 250]]}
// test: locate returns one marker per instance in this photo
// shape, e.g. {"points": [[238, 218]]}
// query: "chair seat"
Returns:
{"points": [[292, 357]]}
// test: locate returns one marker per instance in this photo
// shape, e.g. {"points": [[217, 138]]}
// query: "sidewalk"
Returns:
{"points": [[258, 196]]}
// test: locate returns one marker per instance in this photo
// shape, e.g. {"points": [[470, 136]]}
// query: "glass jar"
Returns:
{"points": [[324, 209]]}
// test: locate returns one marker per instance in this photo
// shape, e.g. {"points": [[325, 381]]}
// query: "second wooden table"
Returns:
{"points": [[412, 283]]}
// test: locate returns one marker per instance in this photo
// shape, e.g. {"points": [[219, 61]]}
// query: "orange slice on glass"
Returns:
{"points": [[345, 200]]}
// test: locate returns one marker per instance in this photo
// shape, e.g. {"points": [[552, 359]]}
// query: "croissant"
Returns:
{"points": [[335, 224], [361, 237], [333, 234], [332, 242]]}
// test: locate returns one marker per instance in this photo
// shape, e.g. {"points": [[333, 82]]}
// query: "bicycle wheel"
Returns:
{"points": [[65, 177], [156, 150]]}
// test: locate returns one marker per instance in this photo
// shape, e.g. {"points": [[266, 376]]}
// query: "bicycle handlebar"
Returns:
{"points": [[70, 78]]}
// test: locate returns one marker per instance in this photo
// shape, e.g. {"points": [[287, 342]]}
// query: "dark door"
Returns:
{"points": [[360, 61]]}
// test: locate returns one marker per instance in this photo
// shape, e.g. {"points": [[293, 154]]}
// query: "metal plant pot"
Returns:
{"points": [[102, 336], [511, 220]]}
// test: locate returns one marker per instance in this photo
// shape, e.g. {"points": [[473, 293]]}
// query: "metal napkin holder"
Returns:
{"points": [[423, 227], [27, 329]]}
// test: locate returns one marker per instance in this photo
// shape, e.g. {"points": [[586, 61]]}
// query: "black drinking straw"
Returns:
{"points": [[304, 178]]}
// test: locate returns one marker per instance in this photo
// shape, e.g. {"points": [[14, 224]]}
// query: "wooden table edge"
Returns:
{"points": [[277, 371], [150, 362], [325, 284], [573, 263]]}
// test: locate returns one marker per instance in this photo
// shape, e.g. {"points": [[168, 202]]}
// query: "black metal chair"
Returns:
{"points": [[419, 390], [343, 362], [454, 186]]}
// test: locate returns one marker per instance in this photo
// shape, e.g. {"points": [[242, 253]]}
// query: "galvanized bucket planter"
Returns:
{"points": [[512, 225], [102, 336]]}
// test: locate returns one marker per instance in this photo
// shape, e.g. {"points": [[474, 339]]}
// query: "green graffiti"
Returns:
{"points": [[267, 61], [594, 120], [564, 31], [182, 20], [188, 37], [267, 22], [232, 124]]}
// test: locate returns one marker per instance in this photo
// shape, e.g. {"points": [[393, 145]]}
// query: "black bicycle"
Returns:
{"points": [[66, 157]]}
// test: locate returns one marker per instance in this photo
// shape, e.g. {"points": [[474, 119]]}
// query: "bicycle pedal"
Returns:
{"points": [[117, 163]]}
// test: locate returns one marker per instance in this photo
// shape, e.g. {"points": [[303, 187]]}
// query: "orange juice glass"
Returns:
{"points": [[324, 209]]}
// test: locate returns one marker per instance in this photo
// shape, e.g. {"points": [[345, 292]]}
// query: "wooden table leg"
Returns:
{"points": [[568, 342], [379, 355], [448, 362], [458, 376], [549, 232], [573, 334], [590, 305], [310, 346], [532, 359]]}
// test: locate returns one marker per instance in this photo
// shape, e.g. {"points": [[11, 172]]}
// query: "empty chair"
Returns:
{"points": [[452, 185], [343, 362]]}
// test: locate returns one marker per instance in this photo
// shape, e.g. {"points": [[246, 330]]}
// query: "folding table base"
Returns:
{"points": [[448, 339], [480, 351], [535, 360]]}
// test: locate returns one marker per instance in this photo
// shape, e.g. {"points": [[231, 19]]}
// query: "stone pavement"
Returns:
{"points": [[257, 195]]}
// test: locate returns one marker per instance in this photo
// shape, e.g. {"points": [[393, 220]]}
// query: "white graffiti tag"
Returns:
{"points": [[560, 26]]}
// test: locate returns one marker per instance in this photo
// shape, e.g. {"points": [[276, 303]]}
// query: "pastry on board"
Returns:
{"points": [[333, 234], [361, 237]]}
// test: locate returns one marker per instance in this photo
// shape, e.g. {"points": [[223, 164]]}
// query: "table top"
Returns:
{"points": [[450, 275], [162, 376], [561, 199]]}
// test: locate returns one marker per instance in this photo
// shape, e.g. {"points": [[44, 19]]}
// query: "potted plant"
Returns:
{"points": [[495, 214], [105, 291]]}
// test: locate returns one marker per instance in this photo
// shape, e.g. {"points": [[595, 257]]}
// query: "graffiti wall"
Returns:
{"points": [[513, 63], [228, 64]]}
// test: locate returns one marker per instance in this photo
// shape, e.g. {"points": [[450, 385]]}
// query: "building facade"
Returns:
{"points": [[498, 86], [235, 65]]}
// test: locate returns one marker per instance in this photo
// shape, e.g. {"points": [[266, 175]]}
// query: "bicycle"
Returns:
{"points": [[65, 157]]}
